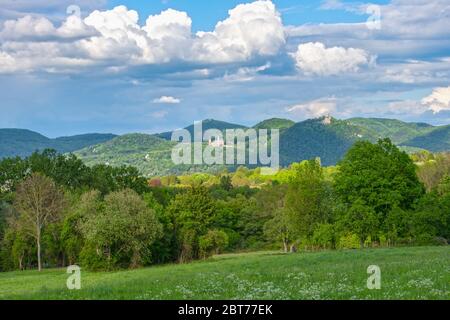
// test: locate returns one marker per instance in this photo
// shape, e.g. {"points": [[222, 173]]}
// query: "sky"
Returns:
{"points": [[119, 66]]}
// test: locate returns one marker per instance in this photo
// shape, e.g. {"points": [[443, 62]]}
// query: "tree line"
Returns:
{"points": [[55, 211]]}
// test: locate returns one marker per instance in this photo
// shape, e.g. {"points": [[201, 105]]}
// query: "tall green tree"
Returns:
{"points": [[431, 217], [192, 213], [360, 220], [280, 229], [39, 202], [433, 169], [308, 199], [121, 234], [375, 184], [379, 175], [12, 172]]}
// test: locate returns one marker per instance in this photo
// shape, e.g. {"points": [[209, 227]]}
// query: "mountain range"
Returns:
{"points": [[21, 142], [325, 137]]}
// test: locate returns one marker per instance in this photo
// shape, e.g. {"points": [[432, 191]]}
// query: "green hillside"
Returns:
{"points": [[436, 140], [149, 153], [315, 138], [20, 142], [398, 131], [73, 143], [275, 123], [206, 125]]}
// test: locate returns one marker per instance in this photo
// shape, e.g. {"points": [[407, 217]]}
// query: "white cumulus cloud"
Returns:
{"points": [[115, 39], [438, 100], [32, 29], [251, 29], [7, 63], [167, 100], [314, 58], [314, 109], [169, 24]]}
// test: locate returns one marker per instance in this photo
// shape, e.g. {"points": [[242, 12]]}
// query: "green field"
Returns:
{"points": [[406, 273]]}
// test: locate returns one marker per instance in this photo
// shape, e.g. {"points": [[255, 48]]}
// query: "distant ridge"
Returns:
{"points": [[206, 125], [436, 140], [398, 131], [149, 153], [275, 123], [22, 142], [326, 137]]}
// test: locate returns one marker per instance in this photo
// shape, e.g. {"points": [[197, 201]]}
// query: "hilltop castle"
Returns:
{"points": [[327, 119]]}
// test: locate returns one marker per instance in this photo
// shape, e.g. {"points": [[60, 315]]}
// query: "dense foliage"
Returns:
{"points": [[106, 218]]}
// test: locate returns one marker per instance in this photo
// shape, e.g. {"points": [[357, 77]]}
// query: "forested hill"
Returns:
{"points": [[275, 123], [436, 140], [148, 153], [330, 138], [206, 125], [326, 137], [21, 142], [398, 131]]}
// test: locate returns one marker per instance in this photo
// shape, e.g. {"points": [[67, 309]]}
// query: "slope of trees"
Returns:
{"points": [[55, 211], [22, 143]]}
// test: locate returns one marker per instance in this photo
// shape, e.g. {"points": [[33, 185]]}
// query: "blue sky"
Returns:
{"points": [[115, 69], [205, 14]]}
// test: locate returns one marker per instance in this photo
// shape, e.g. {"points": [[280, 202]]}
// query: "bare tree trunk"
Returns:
{"points": [[38, 243], [285, 246]]}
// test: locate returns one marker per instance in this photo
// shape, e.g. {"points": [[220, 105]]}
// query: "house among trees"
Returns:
{"points": [[217, 143]]}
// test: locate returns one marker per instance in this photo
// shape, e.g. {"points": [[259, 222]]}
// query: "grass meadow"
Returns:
{"points": [[406, 273]]}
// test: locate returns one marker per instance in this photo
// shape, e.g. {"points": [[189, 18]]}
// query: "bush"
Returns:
{"points": [[95, 260], [212, 243], [349, 241], [429, 240], [383, 240], [323, 236], [368, 242], [440, 241]]}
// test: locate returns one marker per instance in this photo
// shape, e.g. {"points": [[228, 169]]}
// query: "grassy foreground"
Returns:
{"points": [[406, 273]]}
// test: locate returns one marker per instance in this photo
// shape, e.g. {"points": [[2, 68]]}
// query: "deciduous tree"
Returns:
{"points": [[39, 202]]}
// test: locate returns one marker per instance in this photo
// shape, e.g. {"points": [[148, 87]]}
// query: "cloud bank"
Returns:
{"points": [[438, 100], [315, 58], [114, 38], [250, 66]]}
